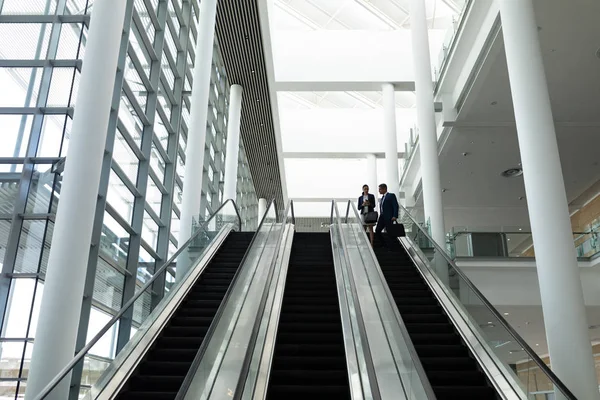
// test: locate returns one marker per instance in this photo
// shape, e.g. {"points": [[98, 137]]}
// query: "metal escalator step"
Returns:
{"points": [[156, 383], [464, 392], [309, 357], [177, 342], [165, 368], [436, 338], [426, 327], [448, 363]]}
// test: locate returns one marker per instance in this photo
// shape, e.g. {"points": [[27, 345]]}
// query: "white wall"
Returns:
{"points": [[340, 130], [504, 284], [347, 56]]}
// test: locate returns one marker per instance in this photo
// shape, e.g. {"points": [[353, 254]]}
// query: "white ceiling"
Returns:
{"points": [[569, 35]]}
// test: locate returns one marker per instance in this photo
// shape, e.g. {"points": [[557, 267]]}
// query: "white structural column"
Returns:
{"points": [[262, 208], [196, 140], [65, 278], [428, 144], [372, 173], [233, 143], [558, 272], [390, 139]]}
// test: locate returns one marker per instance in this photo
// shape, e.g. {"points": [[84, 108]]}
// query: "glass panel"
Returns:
{"points": [[24, 43], [150, 231], [60, 87], [114, 241], [130, 119], [15, 134], [125, 157], [108, 285], [157, 163], [119, 197], [135, 83], [31, 7], [19, 308], [154, 196], [32, 240], [16, 81], [505, 346], [161, 132], [51, 138], [68, 44]]}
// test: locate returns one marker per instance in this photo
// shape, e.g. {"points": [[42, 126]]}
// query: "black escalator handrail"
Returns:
{"points": [[81, 354], [238, 393], [371, 374], [534, 357], [405, 335], [185, 386]]}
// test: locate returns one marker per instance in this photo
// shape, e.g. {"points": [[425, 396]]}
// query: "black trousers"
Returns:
{"points": [[381, 224]]}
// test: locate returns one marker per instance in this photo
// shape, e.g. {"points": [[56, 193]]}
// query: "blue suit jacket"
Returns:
{"points": [[389, 208], [371, 202]]}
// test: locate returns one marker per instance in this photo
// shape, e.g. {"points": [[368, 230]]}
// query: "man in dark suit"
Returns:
{"points": [[388, 213]]}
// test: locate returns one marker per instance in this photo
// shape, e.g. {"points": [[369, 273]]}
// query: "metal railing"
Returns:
{"points": [[84, 351]]}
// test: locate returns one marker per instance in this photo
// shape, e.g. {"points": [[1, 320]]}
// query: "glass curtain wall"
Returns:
{"points": [[42, 44]]}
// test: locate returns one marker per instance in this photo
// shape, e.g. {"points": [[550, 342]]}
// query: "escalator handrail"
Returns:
{"points": [[82, 353], [405, 335], [209, 333], [261, 309], [371, 375], [532, 354]]}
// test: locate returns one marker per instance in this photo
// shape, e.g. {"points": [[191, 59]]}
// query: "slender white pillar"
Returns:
{"points": [[372, 173], [196, 140], [262, 209], [428, 143], [233, 142], [558, 272], [390, 139], [63, 289]]}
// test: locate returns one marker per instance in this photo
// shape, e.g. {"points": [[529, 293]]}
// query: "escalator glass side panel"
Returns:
{"points": [[309, 361], [164, 367]]}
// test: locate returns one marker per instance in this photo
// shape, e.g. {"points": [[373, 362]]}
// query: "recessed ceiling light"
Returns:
{"points": [[512, 172], [508, 239], [520, 229], [506, 313], [257, 99], [537, 344], [494, 103]]}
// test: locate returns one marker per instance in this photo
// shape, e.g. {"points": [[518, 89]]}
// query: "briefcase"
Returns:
{"points": [[396, 230]]}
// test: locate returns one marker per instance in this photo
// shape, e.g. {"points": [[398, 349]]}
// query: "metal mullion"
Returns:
{"points": [[171, 61], [101, 205], [150, 251], [127, 136], [144, 36], [117, 217], [44, 19], [167, 124], [40, 63], [123, 176], [178, 13], [37, 110], [136, 105], [113, 264], [167, 92], [20, 205], [140, 67], [168, 205], [157, 182], [173, 30], [152, 14], [144, 171], [160, 149], [153, 214]]}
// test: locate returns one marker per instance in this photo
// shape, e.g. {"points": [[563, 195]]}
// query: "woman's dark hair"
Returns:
{"points": [[363, 186]]}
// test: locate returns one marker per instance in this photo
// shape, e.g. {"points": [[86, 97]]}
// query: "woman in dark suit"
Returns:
{"points": [[366, 204]]}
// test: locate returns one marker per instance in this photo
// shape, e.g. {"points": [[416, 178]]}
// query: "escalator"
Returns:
{"points": [[309, 360], [449, 365], [162, 371]]}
